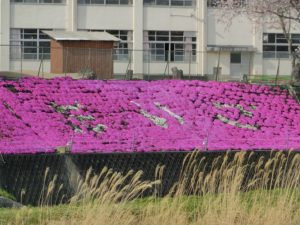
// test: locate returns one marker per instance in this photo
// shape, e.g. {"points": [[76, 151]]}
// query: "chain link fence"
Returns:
{"points": [[49, 179], [24, 174], [144, 64]]}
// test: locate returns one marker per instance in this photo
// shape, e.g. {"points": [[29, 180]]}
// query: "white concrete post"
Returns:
{"points": [[4, 34], [71, 15], [201, 37], [138, 38], [257, 63]]}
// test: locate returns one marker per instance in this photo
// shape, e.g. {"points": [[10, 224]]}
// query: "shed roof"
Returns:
{"points": [[80, 36]]}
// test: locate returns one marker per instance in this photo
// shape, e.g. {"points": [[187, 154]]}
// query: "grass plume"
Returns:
{"points": [[229, 190]]}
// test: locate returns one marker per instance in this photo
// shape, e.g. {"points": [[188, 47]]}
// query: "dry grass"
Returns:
{"points": [[218, 194]]}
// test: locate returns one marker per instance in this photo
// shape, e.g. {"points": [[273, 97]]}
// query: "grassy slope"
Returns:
{"points": [[190, 208]]}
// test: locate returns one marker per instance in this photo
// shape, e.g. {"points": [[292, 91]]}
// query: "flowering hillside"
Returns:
{"points": [[39, 116]]}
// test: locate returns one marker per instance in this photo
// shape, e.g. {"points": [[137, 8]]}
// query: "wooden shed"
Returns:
{"points": [[82, 52]]}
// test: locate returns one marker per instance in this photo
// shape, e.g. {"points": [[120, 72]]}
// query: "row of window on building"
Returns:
{"points": [[210, 3], [113, 2], [40, 1], [275, 45], [220, 3], [158, 45]]}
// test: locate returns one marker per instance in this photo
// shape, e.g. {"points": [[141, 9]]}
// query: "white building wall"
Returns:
{"points": [[165, 69], [38, 16], [257, 62], [221, 34], [105, 17], [71, 15], [139, 18], [271, 65], [30, 67], [138, 39], [159, 18], [224, 63], [4, 34], [120, 67], [201, 18], [169, 18], [240, 32]]}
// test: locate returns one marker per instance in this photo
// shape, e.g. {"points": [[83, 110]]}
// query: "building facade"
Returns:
{"points": [[156, 36]]}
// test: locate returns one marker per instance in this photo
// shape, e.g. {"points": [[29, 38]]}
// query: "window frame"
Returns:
{"points": [[105, 2], [236, 58], [29, 44], [274, 44], [172, 47], [54, 2], [122, 50], [170, 3], [219, 3]]}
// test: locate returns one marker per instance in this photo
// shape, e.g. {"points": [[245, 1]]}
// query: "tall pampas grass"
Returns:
{"points": [[229, 190]]}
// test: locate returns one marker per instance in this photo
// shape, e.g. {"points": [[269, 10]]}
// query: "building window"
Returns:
{"points": [[29, 44], [194, 52], [40, 1], [105, 2], [123, 49], [235, 58], [171, 46], [171, 2], [220, 3], [275, 45], [214, 3]]}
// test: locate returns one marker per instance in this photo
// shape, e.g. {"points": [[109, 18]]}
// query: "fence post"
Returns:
{"points": [[166, 68], [129, 65], [277, 73], [169, 61], [218, 65], [190, 62], [21, 59], [133, 142], [65, 55], [89, 59], [167, 65], [250, 64], [149, 55], [206, 139], [42, 61], [287, 140]]}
